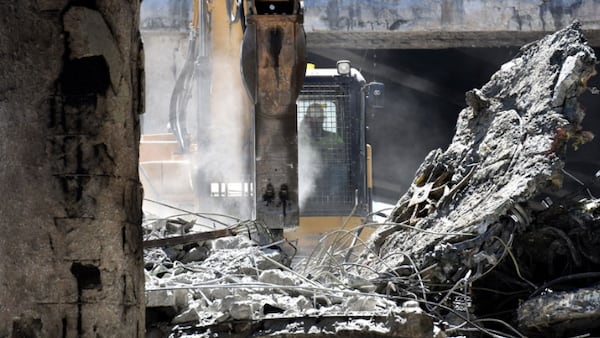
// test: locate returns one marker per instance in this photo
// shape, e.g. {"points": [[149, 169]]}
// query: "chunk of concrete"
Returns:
{"points": [[555, 313], [278, 277], [161, 298], [509, 146], [242, 310], [232, 243]]}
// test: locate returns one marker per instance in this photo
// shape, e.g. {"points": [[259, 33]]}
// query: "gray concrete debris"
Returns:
{"points": [[188, 315], [462, 224], [507, 149], [167, 298], [561, 314], [241, 290], [237, 242], [278, 277]]}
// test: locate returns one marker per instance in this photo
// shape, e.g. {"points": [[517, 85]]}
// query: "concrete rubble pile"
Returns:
{"points": [[492, 236], [232, 286]]}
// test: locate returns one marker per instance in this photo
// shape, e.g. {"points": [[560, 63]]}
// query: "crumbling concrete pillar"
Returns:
{"points": [[70, 242]]}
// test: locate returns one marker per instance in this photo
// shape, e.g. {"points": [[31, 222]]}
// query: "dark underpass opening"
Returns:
{"points": [[424, 92]]}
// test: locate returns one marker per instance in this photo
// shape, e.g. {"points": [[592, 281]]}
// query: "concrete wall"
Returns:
{"points": [[410, 24], [443, 23]]}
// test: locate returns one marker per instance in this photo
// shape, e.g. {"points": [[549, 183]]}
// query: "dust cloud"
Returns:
{"points": [[308, 168], [215, 174]]}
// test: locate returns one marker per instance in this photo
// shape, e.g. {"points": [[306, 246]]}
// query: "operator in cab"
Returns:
{"points": [[312, 127], [320, 153]]}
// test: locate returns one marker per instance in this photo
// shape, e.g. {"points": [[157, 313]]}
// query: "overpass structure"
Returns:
{"points": [[409, 24]]}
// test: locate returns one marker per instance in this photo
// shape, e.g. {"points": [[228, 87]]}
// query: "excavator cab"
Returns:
{"points": [[334, 160]]}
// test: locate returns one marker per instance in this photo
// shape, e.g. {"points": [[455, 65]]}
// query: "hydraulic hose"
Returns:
{"points": [[180, 97], [233, 17], [183, 87]]}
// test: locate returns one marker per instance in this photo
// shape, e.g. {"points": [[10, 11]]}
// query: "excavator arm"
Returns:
{"points": [[273, 67]]}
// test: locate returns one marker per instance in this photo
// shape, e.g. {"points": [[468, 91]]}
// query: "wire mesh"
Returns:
{"points": [[330, 147]]}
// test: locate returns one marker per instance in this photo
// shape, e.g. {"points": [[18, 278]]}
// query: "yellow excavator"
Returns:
{"points": [[298, 133]]}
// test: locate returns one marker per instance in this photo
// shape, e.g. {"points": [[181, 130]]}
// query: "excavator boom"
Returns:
{"points": [[273, 67]]}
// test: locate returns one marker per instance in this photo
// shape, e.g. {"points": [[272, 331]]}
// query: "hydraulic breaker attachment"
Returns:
{"points": [[273, 67]]}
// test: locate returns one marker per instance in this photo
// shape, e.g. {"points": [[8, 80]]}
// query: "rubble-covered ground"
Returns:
{"points": [[494, 237], [233, 286]]}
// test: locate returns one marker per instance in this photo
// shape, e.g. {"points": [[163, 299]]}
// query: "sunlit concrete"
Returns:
{"points": [[443, 23]]}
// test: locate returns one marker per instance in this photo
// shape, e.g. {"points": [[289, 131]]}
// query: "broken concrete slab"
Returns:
{"points": [[248, 290], [464, 238], [558, 314], [403, 325], [466, 202]]}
